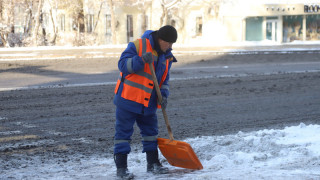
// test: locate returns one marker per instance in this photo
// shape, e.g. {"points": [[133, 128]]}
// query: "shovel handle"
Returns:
{"points": [[165, 116]]}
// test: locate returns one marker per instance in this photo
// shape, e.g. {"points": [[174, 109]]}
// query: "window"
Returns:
{"points": [[199, 26], [254, 29], [129, 28], [44, 19], [108, 25], [173, 23], [144, 24], [292, 28], [78, 23], [147, 22], [313, 27], [62, 22], [90, 21]]}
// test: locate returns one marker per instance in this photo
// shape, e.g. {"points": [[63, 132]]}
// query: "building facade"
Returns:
{"points": [[199, 23], [283, 23], [277, 23]]}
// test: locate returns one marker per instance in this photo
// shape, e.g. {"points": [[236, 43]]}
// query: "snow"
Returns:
{"points": [[292, 152]]}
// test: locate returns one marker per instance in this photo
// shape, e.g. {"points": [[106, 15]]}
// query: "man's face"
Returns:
{"points": [[164, 45]]}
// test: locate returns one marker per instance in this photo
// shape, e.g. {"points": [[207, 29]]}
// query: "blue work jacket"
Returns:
{"points": [[137, 65]]}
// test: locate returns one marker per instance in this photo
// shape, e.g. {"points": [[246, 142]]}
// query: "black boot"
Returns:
{"points": [[154, 164], [122, 168]]}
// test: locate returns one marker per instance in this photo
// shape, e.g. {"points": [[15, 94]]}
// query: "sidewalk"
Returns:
{"points": [[254, 47], [107, 51]]}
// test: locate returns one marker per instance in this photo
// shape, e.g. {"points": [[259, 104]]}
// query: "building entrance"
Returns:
{"points": [[271, 30]]}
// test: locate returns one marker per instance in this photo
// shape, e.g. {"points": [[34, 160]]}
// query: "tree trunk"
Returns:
{"points": [[53, 40], [164, 16], [113, 22], [27, 20], [1, 10], [95, 26], [37, 24], [11, 14], [3, 38], [8, 8]]}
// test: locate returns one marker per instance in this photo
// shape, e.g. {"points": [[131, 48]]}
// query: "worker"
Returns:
{"points": [[136, 99]]}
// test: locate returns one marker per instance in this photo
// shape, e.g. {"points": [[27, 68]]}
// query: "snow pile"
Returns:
{"points": [[293, 152], [266, 154]]}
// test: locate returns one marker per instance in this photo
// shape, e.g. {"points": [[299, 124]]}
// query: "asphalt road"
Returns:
{"points": [[56, 107]]}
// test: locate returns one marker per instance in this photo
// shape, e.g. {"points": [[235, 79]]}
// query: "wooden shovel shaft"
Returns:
{"points": [[156, 85]]}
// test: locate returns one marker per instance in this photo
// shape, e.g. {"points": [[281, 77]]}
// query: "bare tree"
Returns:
{"points": [[143, 5], [7, 11], [10, 22], [27, 17], [54, 27], [1, 10], [98, 18], [74, 9], [37, 24], [164, 15], [166, 6], [2, 31], [113, 22], [79, 25], [180, 8], [212, 5]]}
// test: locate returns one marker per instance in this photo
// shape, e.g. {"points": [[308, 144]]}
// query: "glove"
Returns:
{"points": [[147, 57], [164, 102]]}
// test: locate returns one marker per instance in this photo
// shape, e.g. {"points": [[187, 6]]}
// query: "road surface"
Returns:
{"points": [[59, 107]]}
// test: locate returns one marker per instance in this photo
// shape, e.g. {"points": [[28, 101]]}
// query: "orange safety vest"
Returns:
{"points": [[138, 86]]}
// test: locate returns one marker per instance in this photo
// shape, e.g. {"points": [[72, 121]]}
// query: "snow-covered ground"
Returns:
{"points": [[290, 153]]}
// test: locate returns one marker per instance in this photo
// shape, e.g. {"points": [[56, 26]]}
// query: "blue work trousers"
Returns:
{"points": [[125, 120]]}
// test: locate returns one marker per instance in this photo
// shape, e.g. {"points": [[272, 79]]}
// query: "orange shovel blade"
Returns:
{"points": [[179, 154]]}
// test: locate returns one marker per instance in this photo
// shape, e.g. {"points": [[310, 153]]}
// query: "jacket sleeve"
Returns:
{"points": [[165, 91], [129, 61], [165, 87]]}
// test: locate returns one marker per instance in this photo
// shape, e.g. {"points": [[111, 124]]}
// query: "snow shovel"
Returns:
{"points": [[177, 153]]}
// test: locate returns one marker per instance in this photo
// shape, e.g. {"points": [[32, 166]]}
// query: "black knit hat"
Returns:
{"points": [[168, 33]]}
